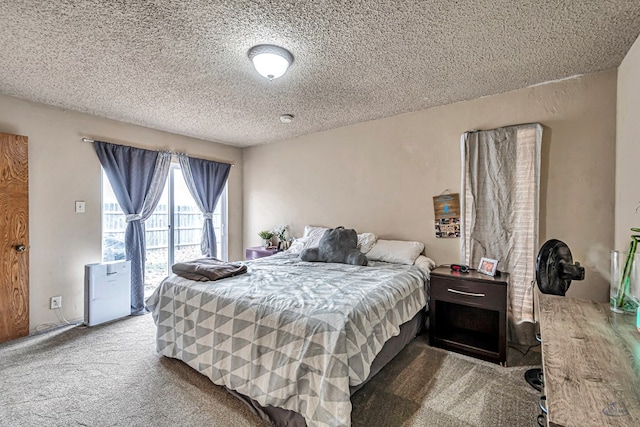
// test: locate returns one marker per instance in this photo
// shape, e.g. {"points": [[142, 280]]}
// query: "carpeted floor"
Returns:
{"points": [[110, 375]]}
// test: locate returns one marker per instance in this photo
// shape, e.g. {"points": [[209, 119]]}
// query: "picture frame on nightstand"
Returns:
{"points": [[488, 266]]}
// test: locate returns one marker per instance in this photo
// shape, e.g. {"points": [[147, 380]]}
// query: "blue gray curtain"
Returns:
{"points": [[137, 177], [205, 180]]}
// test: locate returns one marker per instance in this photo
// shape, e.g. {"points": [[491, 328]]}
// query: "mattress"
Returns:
{"points": [[288, 333]]}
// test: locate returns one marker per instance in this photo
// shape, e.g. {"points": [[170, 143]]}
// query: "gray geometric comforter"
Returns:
{"points": [[288, 333]]}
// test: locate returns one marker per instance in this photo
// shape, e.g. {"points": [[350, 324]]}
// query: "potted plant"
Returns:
{"points": [[280, 231], [266, 236], [625, 282]]}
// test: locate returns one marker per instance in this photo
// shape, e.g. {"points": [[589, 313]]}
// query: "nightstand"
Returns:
{"points": [[468, 313], [259, 252]]}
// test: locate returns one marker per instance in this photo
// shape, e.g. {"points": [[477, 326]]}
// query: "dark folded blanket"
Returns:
{"points": [[206, 269]]}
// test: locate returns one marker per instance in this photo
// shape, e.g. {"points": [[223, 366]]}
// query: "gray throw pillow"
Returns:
{"points": [[336, 245]]}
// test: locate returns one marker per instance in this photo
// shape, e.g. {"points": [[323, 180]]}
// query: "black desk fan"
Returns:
{"points": [[554, 272]]}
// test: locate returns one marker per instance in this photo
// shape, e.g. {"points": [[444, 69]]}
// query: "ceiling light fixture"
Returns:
{"points": [[270, 61]]}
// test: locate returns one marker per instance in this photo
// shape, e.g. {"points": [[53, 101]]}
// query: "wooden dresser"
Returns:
{"points": [[591, 363]]}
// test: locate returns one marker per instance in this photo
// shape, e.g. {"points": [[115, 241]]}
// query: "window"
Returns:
{"points": [[172, 233]]}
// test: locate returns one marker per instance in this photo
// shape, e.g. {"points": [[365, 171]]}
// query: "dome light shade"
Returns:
{"points": [[270, 61]]}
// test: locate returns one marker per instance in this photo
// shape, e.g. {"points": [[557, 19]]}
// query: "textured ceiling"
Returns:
{"points": [[181, 66]]}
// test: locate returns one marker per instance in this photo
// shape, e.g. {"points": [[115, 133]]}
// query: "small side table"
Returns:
{"points": [[256, 252], [468, 313]]}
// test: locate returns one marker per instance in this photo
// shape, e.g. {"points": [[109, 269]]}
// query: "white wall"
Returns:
{"points": [[377, 176], [380, 176], [62, 169], [628, 148]]}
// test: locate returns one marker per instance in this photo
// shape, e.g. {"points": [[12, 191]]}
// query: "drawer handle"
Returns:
{"points": [[470, 294], [542, 407]]}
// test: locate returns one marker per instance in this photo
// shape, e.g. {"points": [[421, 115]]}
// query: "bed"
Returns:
{"points": [[293, 339]]}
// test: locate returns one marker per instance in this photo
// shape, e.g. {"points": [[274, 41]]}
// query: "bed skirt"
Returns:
{"points": [[281, 417]]}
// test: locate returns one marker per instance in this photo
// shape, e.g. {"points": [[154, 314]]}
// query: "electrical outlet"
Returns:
{"points": [[56, 302]]}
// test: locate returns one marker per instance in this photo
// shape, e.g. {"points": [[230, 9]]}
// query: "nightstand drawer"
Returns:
{"points": [[476, 294]]}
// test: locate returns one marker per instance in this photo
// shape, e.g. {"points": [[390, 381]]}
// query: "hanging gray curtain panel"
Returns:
{"points": [[205, 180], [137, 177], [500, 187]]}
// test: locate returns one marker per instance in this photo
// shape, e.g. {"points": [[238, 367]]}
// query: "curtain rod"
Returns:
{"points": [[172, 152]]}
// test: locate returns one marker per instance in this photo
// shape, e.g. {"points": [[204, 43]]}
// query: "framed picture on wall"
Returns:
{"points": [[488, 266]]}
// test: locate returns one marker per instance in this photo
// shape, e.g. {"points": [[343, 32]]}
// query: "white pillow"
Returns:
{"points": [[396, 251], [424, 263], [313, 235], [297, 246], [366, 241], [313, 230]]}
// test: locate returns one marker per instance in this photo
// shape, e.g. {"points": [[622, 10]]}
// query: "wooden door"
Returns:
{"points": [[14, 237]]}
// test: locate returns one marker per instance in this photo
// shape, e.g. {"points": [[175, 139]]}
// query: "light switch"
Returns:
{"points": [[79, 207]]}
